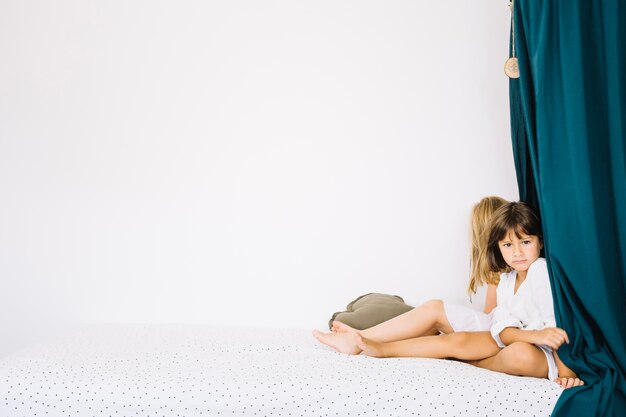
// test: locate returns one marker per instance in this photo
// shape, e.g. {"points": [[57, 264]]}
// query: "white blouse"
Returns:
{"points": [[531, 308]]}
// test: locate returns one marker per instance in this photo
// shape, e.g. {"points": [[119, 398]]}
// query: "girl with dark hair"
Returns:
{"points": [[524, 320], [523, 323]]}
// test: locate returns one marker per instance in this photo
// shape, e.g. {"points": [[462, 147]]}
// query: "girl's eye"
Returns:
{"points": [[526, 242], [506, 245]]}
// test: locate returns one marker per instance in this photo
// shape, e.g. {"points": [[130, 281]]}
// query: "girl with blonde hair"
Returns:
{"points": [[435, 316], [523, 324]]}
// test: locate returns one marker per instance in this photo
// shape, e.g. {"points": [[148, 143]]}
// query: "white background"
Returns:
{"points": [[243, 162]]}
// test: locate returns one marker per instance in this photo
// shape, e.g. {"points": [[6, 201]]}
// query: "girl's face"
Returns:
{"points": [[520, 252]]}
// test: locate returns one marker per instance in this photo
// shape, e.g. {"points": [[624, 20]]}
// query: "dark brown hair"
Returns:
{"points": [[517, 216]]}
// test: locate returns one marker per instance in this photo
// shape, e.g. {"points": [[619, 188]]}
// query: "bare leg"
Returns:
{"points": [[427, 319], [567, 378], [519, 358], [564, 371], [463, 346], [524, 359]]}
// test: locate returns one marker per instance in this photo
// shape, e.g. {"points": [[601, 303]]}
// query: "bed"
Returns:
{"points": [[193, 370]]}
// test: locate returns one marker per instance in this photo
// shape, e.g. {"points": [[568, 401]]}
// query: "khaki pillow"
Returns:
{"points": [[371, 309]]}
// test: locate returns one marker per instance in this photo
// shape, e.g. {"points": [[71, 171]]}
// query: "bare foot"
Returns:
{"points": [[342, 342], [342, 327], [370, 347], [569, 382]]}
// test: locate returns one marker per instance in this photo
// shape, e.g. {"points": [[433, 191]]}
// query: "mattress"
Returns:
{"points": [[187, 370]]}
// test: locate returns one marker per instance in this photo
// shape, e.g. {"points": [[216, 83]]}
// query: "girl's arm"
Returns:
{"points": [[542, 293], [491, 301], [503, 318], [552, 337]]}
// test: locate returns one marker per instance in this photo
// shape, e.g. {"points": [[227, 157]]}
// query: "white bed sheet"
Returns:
{"points": [[180, 371]]}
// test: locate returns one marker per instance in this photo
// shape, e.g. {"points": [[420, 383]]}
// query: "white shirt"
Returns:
{"points": [[531, 308]]}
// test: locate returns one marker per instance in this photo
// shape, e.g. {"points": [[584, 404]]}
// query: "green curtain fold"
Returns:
{"points": [[568, 122]]}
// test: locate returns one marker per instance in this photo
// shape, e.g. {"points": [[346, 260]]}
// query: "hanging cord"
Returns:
{"points": [[512, 5], [511, 66]]}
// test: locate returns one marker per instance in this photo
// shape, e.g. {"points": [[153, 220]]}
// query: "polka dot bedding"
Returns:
{"points": [[184, 371]]}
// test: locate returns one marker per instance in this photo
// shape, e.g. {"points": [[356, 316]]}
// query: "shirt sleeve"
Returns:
{"points": [[542, 294], [502, 316]]}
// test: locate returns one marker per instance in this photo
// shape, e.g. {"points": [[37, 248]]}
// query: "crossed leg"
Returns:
{"points": [[413, 334], [518, 358], [463, 345], [525, 359], [426, 320]]}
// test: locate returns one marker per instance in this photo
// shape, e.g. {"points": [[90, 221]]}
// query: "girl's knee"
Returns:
{"points": [[524, 359], [437, 313], [433, 308], [434, 305]]}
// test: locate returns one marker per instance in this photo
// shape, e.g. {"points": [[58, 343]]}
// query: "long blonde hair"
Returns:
{"points": [[482, 213]]}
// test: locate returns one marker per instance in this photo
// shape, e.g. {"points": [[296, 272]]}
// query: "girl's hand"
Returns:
{"points": [[552, 337]]}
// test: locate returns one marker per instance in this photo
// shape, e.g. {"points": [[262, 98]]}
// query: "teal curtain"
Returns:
{"points": [[568, 120]]}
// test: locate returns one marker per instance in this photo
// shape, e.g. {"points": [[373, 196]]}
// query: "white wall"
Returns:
{"points": [[242, 162]]}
